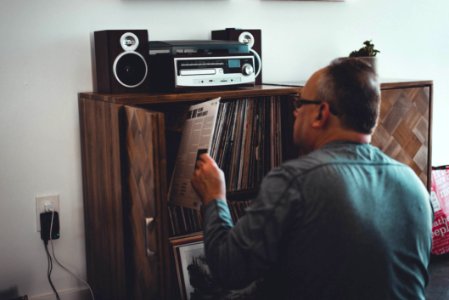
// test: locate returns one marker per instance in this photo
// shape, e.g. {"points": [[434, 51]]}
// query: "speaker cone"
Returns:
{"points": [[130, 69]]}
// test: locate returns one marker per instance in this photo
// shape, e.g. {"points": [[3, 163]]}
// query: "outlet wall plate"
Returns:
{"points": [[44, 204]]}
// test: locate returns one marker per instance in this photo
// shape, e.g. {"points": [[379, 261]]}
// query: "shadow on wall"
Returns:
{"points": [[11, 293]]}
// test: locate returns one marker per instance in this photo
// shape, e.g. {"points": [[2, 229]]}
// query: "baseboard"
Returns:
{"points": [[68, 294]]}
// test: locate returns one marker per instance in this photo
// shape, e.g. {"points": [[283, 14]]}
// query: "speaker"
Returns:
{"points": [[121, 61], [251, 37]]}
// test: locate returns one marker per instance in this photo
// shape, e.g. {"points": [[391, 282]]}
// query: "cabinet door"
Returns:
{"points": [[403, 131], [145, 206], [102, 193]]}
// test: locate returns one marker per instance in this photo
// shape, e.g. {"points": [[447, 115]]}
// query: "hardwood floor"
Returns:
{"points": [[438, 288]]}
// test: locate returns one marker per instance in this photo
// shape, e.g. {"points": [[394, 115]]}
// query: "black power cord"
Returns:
{"points": [[50, 269], [49, 231]]}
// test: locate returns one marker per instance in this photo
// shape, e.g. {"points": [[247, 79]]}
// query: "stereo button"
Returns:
{"points": [[247, 69]]}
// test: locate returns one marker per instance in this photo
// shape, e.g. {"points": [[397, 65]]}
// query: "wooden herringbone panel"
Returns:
{"points": [[403, 129]]}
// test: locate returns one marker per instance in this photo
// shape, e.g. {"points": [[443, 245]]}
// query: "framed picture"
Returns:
{"points": [[194, 278], [187, 251]]}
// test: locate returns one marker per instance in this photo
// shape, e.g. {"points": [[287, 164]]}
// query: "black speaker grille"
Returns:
{"points": [[130, 69]]}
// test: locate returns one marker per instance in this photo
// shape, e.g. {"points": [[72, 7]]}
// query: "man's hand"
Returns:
{"points": [[208, 180]]}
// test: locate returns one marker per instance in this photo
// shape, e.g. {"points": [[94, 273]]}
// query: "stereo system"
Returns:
{"points": [[183, 65], [126, 61]]}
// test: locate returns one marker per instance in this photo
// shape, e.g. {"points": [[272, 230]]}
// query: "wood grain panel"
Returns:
{"points": [[403, 131], [103, 214], [146, 177]]}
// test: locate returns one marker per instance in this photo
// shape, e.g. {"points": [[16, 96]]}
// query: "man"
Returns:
{"points": [[343, 221]]}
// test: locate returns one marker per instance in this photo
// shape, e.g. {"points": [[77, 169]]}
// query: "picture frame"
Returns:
{"points": [[193, 275], [185, 249]]}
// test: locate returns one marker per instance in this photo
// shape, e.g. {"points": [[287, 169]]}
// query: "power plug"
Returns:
{"points": [[46, 224]]}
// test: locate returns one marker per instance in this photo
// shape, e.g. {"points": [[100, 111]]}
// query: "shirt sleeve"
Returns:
{"points": [[240, 254]]}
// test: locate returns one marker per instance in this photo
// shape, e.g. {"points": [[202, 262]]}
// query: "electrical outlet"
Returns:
{"points": [[45, 204]]}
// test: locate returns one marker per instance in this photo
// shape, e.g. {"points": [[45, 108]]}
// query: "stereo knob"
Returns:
{"points": [[247, 69]]}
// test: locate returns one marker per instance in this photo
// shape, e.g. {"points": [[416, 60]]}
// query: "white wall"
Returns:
{"points": [[45, 61]]}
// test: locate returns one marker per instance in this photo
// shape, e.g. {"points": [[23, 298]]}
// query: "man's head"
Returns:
{"points": [[351, 88], [346, 97]]}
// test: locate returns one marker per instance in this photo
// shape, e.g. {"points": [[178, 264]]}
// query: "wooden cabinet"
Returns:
{"points": [[129, 142], [128, 147]]}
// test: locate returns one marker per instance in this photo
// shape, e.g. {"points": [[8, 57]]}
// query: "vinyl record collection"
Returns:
{"points": [[185, 220], [246, 144], [247, 140]]}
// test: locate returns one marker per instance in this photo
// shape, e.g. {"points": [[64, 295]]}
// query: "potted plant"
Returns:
{"points": [[367, 53]]}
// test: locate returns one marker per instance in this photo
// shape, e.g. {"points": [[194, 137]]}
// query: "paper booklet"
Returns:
{"points": [[196, 139]]}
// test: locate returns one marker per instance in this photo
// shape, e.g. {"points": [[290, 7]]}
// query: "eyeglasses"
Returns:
{"points": [[298, 102]]}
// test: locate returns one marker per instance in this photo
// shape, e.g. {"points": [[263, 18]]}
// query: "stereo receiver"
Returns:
{"points": [[178, 65]]}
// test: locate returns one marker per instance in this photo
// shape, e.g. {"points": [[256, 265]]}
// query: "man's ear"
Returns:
{"points": [[322, 116]]}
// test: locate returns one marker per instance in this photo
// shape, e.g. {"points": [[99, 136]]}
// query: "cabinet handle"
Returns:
{"points": [[148, 222]]}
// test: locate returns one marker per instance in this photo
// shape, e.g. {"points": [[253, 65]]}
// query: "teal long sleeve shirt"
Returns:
{"points": [[343, 222]]}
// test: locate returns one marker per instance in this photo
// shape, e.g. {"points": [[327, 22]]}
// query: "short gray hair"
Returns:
{"points": [[352, 89]]}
